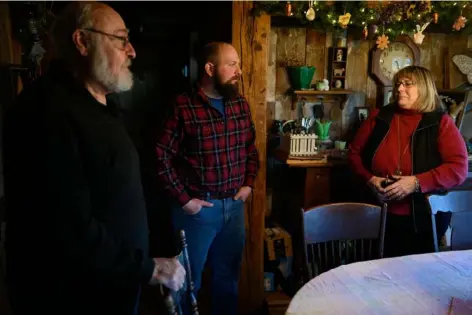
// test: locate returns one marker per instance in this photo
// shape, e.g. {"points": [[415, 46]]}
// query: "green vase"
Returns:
{"points": [[300, 77], [322, 129]]}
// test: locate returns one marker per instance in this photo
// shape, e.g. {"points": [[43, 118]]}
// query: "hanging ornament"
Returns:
{"points": [[288, 9], [426, 5], [418, 37], [33, 29], [344, 20], [435, 17], [382, 42], [310, 13], [365, 32], [460, 23], [409, 11]]}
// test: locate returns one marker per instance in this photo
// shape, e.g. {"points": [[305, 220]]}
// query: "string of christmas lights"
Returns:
{"points": [[390, 18]]}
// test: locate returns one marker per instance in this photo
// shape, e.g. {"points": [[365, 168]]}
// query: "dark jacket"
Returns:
{"points": [[77, 233], [424, 152]]}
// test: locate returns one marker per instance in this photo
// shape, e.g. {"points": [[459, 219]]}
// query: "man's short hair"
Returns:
{"points": [[209, 53]]}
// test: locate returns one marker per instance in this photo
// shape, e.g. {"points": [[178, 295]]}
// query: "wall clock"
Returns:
{"points": [[401, 52]]}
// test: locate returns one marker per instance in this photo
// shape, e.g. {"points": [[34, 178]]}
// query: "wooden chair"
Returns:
{"points": [[459, 203], [341, 233]]}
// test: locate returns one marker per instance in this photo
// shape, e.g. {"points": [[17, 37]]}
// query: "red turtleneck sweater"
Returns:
{"points": [[395, 151]]}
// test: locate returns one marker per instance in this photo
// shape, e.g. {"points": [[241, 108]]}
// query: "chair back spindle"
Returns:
{"points": [[190, 285], [173, 300], [170, 305]]}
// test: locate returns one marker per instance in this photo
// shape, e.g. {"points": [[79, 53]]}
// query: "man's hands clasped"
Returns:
{"points": [[394, 188]]}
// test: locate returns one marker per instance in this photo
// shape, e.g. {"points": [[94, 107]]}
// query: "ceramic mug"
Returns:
{"points": [[340, 145]]}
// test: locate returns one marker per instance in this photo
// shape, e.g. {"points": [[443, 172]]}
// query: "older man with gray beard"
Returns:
{"points": [[77, 232]]}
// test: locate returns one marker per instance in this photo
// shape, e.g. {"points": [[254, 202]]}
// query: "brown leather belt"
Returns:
{"points": [[215, 195]]}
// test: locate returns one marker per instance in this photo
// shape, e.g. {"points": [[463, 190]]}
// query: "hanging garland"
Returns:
{"points": [[389, 18]]}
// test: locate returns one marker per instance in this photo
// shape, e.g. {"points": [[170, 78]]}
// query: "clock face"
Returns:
{"points": [[397, 56]]}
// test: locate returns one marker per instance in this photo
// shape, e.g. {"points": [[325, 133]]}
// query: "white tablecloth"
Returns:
{"points": [[417, 284]]}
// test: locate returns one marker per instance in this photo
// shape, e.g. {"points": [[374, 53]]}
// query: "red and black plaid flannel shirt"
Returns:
{"points": [[199, 151]]}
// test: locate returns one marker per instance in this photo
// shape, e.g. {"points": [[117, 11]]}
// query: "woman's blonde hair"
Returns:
{"points": [[428, 98]]}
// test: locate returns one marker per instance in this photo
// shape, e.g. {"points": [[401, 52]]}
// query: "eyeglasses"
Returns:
{"points": [[406, 83], [124, 40]]}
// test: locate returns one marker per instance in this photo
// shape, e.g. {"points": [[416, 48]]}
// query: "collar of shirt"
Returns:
{"points": [[59, 72], [201, 97]]}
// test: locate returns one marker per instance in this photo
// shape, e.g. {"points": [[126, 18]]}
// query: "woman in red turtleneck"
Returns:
{"points": [[416, 144]]}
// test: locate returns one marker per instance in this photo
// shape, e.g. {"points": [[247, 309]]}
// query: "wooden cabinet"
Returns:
{"points": [[317, 186], [305, 184]]}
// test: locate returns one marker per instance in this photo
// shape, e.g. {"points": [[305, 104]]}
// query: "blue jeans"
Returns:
{"points": [[215, 233]]}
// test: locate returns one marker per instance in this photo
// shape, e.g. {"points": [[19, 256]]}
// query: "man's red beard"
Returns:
{"points": [[227, 89]]}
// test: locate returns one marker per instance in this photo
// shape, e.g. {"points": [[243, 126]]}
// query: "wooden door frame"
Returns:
{"points": [[250, 37]]}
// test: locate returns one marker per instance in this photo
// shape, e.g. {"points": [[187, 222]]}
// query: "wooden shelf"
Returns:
{"points": [[452, 91], [343, 94], [330, 92], [283, 156]]}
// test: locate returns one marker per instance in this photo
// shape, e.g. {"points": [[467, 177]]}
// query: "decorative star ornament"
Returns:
{"points": [[382, 42]]}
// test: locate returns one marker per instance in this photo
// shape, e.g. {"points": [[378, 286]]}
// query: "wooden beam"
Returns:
{"points": [[6, 48], [251, 40]]}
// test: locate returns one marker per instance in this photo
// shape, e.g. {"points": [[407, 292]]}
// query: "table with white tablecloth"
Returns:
{"points": [[416, 284]]}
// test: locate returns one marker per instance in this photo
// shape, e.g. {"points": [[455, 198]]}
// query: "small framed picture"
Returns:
{"points": [[362, 113]]}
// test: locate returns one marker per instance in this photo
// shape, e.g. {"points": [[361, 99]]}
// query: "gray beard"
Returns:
{"points": [[113, 83]]}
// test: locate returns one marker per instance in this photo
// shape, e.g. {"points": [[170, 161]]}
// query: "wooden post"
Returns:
{"points": [[6, 57], [6, 48], [251, 40]]}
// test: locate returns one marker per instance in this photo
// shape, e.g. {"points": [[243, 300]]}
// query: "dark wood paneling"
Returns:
{"points": [[6, 49], [436, 50]]}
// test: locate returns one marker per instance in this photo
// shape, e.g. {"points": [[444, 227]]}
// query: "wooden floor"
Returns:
{"points": [[276, 303]]}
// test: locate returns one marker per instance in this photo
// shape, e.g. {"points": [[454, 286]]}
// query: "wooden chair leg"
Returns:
{"points": [[435, 236]]}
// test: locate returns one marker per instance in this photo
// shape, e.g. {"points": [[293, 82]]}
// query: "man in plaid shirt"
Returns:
{"points": [[207, 163]]}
